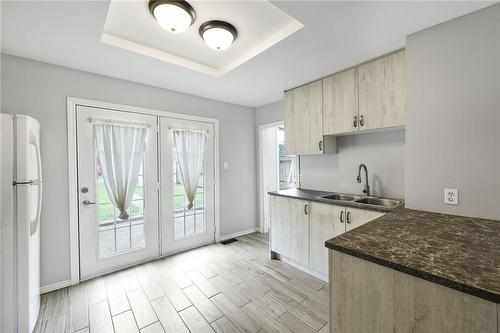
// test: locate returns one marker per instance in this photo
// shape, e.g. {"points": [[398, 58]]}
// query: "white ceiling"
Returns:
{"points": [[336, 35], [130, 25]]}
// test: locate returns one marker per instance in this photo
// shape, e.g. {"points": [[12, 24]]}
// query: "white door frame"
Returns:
{"points": [[72, 103], [261, 180]]}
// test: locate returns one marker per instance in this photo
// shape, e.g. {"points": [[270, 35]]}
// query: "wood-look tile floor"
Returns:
{"points": [[215, 288]]}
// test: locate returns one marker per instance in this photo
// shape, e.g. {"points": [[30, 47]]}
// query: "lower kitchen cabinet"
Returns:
{"points": [[290, 228], [299, 229], [326, 221], [391, 301]]}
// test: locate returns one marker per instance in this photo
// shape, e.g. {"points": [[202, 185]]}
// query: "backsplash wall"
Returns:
{"points": [[383, 153]]}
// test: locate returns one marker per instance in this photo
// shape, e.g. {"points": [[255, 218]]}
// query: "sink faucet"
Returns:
{"points": [[366, 189]]}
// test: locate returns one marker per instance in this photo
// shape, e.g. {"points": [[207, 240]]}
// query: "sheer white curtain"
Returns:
{"points": [[190, 149], [120, 150]]}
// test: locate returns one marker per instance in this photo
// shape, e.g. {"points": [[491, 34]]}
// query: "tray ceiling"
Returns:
{"points": [[130, 25]]}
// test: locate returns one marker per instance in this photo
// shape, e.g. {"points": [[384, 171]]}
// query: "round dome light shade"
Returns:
{"points": [[173, 16], [218, 35]]}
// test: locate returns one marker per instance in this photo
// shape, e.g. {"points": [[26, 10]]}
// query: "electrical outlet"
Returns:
{"points": [[301, 178], [451, 196]]}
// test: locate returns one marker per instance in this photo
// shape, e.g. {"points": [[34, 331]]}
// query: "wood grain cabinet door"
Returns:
{"points": [[356, 217], [324, 223], [290, 228], [340, 103], [382, 92], [304, 119]]}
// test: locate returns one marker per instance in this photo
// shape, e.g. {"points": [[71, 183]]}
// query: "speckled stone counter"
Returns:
{"points": [[316, 196], [461, 253]]}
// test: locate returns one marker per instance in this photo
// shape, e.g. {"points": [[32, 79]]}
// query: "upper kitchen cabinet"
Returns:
{"points": [[304, 119], [366, 97], [382, 92], [340, 103]]}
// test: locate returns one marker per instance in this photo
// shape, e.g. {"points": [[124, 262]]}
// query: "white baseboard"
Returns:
{"points": [[239, 233], [54, 286]]}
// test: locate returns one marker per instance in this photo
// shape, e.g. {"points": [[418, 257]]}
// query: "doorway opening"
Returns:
{"points": [[277, 170]]}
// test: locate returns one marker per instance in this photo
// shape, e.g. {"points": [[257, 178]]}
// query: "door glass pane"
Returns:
{"points": [[187, 222], [117, 236]]}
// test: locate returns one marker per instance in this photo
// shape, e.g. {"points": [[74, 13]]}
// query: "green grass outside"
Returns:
{"points": [[107, 211]]}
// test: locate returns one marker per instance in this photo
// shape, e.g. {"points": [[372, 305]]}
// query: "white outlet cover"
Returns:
{"points": [[226, 165], [451, 196], [301, 178]]}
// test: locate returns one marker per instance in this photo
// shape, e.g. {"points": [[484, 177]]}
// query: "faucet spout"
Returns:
{"points": [[366, 188]]}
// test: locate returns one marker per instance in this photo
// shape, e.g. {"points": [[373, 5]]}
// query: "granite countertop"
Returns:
{"points": [[458, 252], [316, 196]]}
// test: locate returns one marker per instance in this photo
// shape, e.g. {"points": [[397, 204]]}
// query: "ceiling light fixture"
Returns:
{"points": [[173, 15], [219, 35]]}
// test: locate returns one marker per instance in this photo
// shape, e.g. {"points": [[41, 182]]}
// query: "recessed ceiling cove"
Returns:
{"points": [[129, 25]]}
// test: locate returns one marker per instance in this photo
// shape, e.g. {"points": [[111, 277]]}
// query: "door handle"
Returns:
{"points": [[87, 202], [348, 217], [355, 122], [305, 209], [342, 217], [320, 144], [361, 121]]}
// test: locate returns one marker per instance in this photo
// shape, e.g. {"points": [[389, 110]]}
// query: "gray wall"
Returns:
{"points": [[40, 90], [453, 130], [382, 152], [270, 113]]}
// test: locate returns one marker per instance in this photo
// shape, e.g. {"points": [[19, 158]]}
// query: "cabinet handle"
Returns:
{"points": [[361, 120], [320, 144], [342, 217], [355, 122], [349, 217], [305, 209]]}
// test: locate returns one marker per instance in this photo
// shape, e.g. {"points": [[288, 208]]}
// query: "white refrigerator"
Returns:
{"points": [[20, 204]]}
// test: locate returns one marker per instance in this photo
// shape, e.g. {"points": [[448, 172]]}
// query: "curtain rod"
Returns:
{"points": [[117, 122], [188, 129]]}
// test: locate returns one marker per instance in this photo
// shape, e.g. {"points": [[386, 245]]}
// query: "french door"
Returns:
{"points": [[108, 242], [184, 227], [160, 219]]}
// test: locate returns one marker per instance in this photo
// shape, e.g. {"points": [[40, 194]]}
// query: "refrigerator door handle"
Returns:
{"points": [[36, 221], [35, 141]]}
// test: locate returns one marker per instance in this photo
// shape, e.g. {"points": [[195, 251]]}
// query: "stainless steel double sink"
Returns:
{"points": [[374, 201]]}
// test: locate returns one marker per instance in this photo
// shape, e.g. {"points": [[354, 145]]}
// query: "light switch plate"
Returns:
{"points": [[226, 165], [451, 196]]}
